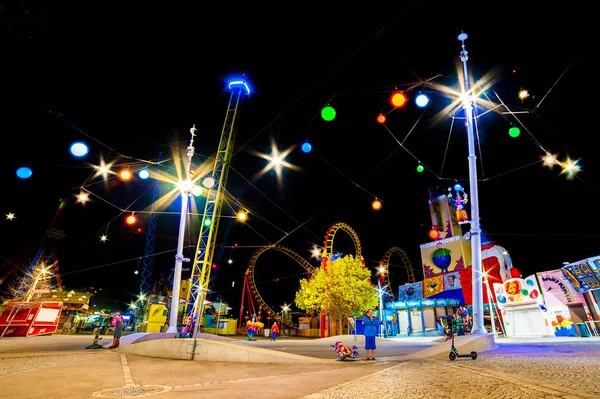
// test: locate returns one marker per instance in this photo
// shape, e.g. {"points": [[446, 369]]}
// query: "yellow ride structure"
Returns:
{"points": [[203, 257]]}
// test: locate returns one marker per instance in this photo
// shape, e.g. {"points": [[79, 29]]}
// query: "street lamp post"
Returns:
{"points": [[380, 292], [185, 188], [478, 326]]}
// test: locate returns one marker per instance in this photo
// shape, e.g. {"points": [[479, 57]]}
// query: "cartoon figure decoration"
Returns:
{"points": [[345, 352], [253, 326], [459, 201]]}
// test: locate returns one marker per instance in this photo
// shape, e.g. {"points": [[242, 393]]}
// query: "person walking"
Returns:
{"points": [[119, 325], [371, 324], [274, 331]]}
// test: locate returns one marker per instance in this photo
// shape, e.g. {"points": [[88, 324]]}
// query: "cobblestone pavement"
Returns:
{"points": [[548, 369], [16, 365], [494, 377]]}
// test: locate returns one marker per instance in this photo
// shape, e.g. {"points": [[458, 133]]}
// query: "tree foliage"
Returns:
{"points": [[341, 290]]}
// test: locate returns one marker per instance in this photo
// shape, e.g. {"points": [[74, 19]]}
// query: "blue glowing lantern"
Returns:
{"points": [[306, 147], [24, 172], [422, 100], [457, 187], [144, 174], [79, 149]]}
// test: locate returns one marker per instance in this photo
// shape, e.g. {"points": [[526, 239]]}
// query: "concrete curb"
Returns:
{"points": [[221, 349], [214, 350]]}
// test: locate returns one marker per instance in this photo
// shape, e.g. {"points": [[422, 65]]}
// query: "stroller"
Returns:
{"points": [[345, 352]]}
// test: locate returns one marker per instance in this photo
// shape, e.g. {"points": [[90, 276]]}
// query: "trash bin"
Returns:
{"points": [[267, 332], [583, 330]]}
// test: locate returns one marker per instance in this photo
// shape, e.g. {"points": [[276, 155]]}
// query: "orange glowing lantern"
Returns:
{"points": [[434, 234], [381, 118], [125, 175], [376, 205], [131, 219], [398, 99]]}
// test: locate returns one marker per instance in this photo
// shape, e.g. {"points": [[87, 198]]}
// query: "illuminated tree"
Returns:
{"points": [[341, 290]]}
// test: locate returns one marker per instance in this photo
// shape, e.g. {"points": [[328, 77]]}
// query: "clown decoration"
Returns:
{"points": [[459, 201]]}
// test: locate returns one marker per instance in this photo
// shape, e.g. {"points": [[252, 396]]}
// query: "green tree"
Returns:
{"points": [[340, 290]]}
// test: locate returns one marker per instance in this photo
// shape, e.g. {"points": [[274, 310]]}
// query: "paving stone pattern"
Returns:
{"points": [[16, 365], [494, 377]]}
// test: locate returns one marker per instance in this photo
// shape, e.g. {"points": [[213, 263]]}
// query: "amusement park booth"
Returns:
{"points": [[28, 319], [565, 306], [585, 278], [522, 308], [75, 310]]}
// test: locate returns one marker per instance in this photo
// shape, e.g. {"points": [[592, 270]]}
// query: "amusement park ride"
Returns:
{"points": [[203, 258], [327, 259], [46, 254]]}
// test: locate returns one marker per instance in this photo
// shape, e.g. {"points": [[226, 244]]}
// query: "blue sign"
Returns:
{"points": [[584, 275]]}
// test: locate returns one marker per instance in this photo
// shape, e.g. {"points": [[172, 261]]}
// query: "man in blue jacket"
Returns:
{"points": [[371, 324]]}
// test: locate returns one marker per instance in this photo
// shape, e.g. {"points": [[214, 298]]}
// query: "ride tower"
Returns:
{"points": [[46, 254], [215, 184]]}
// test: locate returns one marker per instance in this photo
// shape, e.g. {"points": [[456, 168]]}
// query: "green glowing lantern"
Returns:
{"points": [[328, 113], [514, 132]]}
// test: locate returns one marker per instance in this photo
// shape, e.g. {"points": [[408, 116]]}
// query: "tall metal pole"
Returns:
{"points": [[467, 98], [185, 188], [380, 292]]}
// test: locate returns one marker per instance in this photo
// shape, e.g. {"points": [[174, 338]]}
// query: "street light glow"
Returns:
{"points": [[549, 160]]}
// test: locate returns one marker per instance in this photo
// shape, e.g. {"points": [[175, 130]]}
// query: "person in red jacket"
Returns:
{"points": [[274, 331]]}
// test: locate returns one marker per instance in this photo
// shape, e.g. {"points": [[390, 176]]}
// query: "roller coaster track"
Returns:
{"points": [[328, 247], [300, 260], [385, 262]]}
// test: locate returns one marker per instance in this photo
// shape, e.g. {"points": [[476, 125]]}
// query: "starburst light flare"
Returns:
{"points": [[459, 95], [180, 182], [276, 162], [103, 169]]}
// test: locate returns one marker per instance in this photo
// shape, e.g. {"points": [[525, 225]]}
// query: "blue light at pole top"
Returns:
{"points": [[422, 100], [457, 187], [144, 174], [239, 83], [24, 172], [306, 147], [79, 149]]}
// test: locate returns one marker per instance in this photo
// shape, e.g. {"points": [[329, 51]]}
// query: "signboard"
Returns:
{"points": [[517, 291], [584, 275]]}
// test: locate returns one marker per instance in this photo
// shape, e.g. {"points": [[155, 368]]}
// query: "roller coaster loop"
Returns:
{"points": [[300, 260], [385, 263]]}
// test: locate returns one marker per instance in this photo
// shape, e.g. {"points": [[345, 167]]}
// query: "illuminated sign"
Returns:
{"points": [[584, 275]]}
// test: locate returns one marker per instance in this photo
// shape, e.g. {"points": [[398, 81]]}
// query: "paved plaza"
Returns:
{"points": [[59, 367]]}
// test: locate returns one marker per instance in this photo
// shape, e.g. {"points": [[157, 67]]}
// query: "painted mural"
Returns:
{"points": [[443, 256], [558, 293], [433, 286], [411, 292]]}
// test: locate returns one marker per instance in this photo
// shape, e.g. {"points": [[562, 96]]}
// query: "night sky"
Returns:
{"points": [[131, 82]]}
